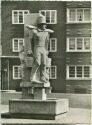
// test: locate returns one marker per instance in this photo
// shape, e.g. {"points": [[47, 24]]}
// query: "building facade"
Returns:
{"points": [[70, 45], [78, 48]]}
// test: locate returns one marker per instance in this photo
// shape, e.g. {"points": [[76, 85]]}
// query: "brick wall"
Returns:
{"points": [[78, 58]]}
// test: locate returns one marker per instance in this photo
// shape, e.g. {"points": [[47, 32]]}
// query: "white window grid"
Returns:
{"points": [[55, 18], [75, 75], [23, 12], [75, 41], [13, 44], [53, 42], [55, 72], [18, 72], [76, 12]]}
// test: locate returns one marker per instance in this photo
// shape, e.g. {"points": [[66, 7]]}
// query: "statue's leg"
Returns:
{"points": [[43, 67], [47, 73], [22, 70], [36, 64], [34, 71]]}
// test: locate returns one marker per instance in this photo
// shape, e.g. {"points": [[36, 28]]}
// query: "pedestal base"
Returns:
{"points": [[34, 90], [38, 109]]}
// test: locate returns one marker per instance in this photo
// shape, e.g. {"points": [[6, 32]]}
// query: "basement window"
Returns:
{"points": [[80, 90]]}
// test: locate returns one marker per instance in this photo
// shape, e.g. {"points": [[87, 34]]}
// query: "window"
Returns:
{"points": [[78, 72], [18, 16], [80, 90], [53, 44], [72, 71], [53, 72], [87, 43], [51, 16], [78, 44], [17, 43], [71, 44], [72, 15], [78, 15], [86, 71], [16, 72]]}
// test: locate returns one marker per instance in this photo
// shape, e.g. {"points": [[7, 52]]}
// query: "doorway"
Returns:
{"points": [[5, 74]]}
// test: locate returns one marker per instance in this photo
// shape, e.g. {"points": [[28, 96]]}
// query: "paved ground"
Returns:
{"points": [[75, 115]]}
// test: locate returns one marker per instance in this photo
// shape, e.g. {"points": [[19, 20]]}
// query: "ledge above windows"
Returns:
{"points": [[18, 16], [78, 15]]}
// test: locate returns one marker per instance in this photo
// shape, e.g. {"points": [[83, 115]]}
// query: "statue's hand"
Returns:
{"points": [[47, 53], [29, 53]]}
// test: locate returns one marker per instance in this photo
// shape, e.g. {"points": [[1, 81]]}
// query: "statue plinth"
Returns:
{"points": [[35, 90], [50, 109], [35, 104]]}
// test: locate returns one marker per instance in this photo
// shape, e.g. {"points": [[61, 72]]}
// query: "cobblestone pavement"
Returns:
{"points": [[75, 115]]}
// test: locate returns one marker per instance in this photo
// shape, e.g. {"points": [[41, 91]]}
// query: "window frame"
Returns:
{"points": [[55, 72], [55, 21], [23, 11], [83, 73], [51, 45], [18, 44], [76, 16], [14, 72], [83, 46]]}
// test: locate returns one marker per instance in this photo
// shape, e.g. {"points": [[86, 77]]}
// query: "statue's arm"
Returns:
{"points": [[49, 31], [30, 27], [32, 43], [47, 43], [31, 32], [48, 39]]}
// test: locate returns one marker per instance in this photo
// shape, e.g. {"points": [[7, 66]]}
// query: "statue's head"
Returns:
{"points": [[41, 22]]}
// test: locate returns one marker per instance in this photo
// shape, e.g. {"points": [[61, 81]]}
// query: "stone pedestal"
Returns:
{"points": [[50, 109], [35, 90], [34, 103]]}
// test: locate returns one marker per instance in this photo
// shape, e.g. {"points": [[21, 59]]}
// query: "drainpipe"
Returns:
{"points": [[0, 43], [8, 74]]}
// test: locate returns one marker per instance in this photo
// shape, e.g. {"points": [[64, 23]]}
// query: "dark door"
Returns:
{"points": [[4, 75]]}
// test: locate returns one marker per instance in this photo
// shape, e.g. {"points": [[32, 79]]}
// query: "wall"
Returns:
{"points": [[9, 82], [78, 58], [75, 100]]}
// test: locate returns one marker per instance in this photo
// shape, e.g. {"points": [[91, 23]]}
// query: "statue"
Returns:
{"points": [[39, 50], [34, 102]]}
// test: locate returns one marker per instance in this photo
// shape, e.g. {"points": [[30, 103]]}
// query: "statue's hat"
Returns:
{"points": [[41, 19]]}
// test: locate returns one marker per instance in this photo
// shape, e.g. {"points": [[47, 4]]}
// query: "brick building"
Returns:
{"points": [[70, 45]]}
